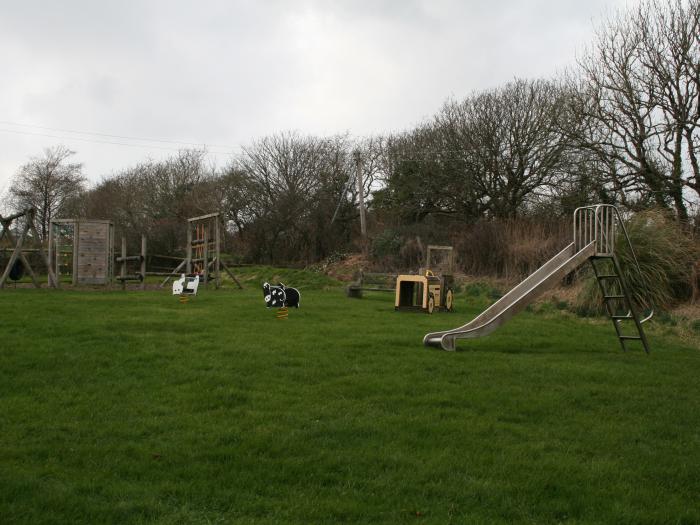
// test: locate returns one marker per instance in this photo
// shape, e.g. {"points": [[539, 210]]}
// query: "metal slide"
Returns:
{"points": [[595, 231], [547, 276]]}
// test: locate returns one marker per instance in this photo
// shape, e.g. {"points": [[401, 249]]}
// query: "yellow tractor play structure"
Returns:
{"points": [[427, 291], [423, 292]]}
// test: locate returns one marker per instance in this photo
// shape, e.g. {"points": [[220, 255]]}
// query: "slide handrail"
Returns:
{"points": [[599, 224]]}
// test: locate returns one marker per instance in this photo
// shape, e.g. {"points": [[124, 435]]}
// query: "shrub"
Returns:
{"points": [[386, 245], [695, 326], [666, 255]]}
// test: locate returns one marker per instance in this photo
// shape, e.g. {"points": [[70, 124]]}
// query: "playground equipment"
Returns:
{"points": [[186, 286], [83, 249], [423, 292], [203, 251], [18, 261], [440, 259], [139, 276], [282, 297], [594, 232], [426, 291]]}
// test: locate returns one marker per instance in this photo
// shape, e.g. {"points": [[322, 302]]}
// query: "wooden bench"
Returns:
{"points": [[371, 282]]}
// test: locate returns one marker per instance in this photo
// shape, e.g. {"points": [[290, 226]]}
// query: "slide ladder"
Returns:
{"points": [[595, 232]]}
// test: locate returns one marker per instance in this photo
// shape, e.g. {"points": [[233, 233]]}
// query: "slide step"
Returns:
{"points": [[627, 337]]}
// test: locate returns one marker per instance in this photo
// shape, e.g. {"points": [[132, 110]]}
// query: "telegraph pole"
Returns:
{"points": [[361, 197]]}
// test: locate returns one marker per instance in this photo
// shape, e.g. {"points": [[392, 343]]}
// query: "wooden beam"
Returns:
{"points": [[188, 259], [231, 275], [45, 255], [202, 217], [122, 270], [143, 261], [217, 268], [15, 254], [206, 257], [27, 267], [76, 248], [173, 273], [17, 215]]}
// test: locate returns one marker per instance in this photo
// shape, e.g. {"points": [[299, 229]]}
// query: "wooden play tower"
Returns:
{"points": [[203, 256]]}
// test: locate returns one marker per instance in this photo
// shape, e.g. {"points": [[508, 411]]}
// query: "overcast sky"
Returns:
{"points": [[224, 73]]}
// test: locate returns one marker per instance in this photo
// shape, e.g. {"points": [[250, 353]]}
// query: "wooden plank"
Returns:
{"points": [[202, 217]]}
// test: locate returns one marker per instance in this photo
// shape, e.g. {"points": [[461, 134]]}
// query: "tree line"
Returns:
{"points": [[622, 127]]}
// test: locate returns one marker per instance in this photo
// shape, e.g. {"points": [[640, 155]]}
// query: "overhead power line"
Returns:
{"points": [[97, 141], [107, 135]]}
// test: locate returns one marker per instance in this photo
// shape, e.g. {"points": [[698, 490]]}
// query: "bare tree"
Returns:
{"points": [[512, 144], [639, 96], [492, 153], [670, 57], [155, 198], [47, 183], [285, 191]]}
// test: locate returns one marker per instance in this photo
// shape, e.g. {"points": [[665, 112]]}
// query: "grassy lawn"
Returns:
{"points": [[133, 408]]}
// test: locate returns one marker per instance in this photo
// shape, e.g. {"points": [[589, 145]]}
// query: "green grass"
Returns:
{"points": [[256, 275], [132, 408]]}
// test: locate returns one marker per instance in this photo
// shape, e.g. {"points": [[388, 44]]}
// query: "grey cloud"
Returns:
{"points": [[223, 72]]}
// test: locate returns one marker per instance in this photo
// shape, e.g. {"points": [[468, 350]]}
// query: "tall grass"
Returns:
{"points": [[510, 249]]}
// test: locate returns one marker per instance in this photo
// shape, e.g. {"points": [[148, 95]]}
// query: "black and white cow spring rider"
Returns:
{"points": [[281, 297]]}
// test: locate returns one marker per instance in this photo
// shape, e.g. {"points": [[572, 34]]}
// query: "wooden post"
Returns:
{"points": [[49, 255], [122, 272], [217, 264], [110, 255], [57, 261], [188, 259], [361, 199], [76, 249], [205, 237], [45, 256], [143, 262]]}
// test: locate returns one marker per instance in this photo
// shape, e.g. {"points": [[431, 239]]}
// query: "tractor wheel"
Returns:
{"points": [[431, 304], [449, 300]]}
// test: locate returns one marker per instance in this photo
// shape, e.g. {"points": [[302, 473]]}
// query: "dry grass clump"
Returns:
{"points": [[666, 255], [510, 249]]}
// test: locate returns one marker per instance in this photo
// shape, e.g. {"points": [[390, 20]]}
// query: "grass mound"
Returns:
{"points": [[255, 276]]}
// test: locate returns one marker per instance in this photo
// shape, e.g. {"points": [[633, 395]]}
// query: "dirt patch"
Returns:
{"points": [[346, 269]]}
